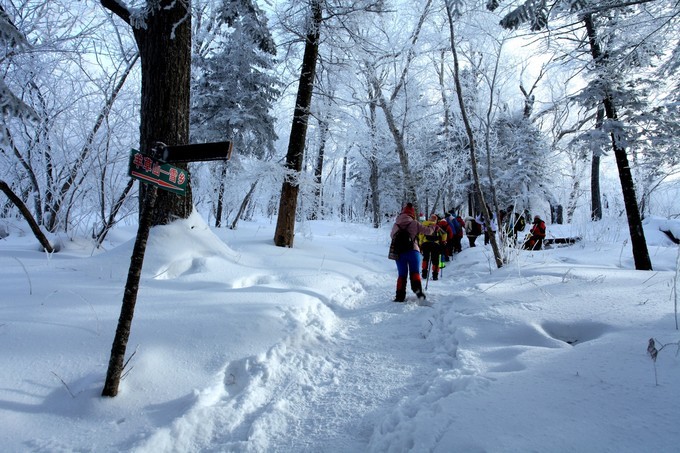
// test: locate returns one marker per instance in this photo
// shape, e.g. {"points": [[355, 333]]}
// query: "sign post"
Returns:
{"points": [[157, 171], [200, 152]]}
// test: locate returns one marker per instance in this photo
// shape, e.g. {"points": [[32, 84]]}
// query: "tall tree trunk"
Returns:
{"points": [[343, 207], [637, 234], [220, 195], [374, 182], [318, 168], [127, 310], [374, 176], [164, 44], [244, 205], [400, 146], [595, 196], [471, 138], [285, 225]]}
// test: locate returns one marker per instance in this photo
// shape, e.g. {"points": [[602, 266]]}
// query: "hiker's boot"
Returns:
{"points": [[435, 275], [424, 273], [401, 290], [417, 286]]}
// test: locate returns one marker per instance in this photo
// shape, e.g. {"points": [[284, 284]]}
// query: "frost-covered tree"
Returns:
{"points": [[646, 28], [11, 40], [233, 86], [308, 20], [452, 14], [520, 161], [70, 76]]}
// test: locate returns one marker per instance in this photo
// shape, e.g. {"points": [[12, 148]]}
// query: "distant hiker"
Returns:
{"points": [[518, 227], [513, 224], [432, 245], [472, 229], [404, 249], [487, 230], [449, 224], [458, 246], [537, 234], [490, 230], [504, 222], [457, 226]]}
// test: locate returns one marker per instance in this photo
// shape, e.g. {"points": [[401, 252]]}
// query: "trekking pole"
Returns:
{"points": [[429, 261], [442, 265]]}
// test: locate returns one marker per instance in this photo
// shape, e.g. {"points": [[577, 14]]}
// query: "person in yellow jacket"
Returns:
{"points": [[432, 246]]}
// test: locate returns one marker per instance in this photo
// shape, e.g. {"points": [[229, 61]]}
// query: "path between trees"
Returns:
{"points": [[326, 386]]}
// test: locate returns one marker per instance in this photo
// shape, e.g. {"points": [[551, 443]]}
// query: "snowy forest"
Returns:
{"points": [[340, 110], [266, 319]]}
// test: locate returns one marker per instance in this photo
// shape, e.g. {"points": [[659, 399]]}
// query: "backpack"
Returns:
{"points": [[521, 224], [455, 226], [436, 237], [402, 242]]}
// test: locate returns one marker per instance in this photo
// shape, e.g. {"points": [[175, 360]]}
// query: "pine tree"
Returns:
{"points": [[519, 161], [234, 87]]}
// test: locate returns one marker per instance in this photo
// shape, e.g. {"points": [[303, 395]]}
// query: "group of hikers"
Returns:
{"points": [[421, 247]]}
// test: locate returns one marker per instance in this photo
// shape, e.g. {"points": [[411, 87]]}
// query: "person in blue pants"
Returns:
{"points": [[409, 260]]}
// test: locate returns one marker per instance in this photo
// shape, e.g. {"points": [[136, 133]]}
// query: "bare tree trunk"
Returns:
{"points": [[127, 310], [244, 204], [318, 168], [343, 214], [285, 225], [487, 143], [637, 234], [4, 187], [37, 199], [165, 50], [595, 196], [220, 196], [111, 221], [374, 176], [471, 138], [400, 147]]}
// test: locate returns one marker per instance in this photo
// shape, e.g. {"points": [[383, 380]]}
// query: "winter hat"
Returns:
{"points": [[410, 210]]}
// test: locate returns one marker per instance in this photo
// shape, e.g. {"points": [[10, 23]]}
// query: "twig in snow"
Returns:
{"points": [[65, 385], [30, 285]]}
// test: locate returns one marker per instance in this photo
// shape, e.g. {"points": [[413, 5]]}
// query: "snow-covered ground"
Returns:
{"points": [[243, 346]]}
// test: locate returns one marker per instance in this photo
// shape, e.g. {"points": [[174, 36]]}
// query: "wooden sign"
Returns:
{"points": [[200, 152], [160, 174]]}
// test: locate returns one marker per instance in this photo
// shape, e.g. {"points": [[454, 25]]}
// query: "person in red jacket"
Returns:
{"points": [[445, 225], [409, 261], [535, 241]]}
